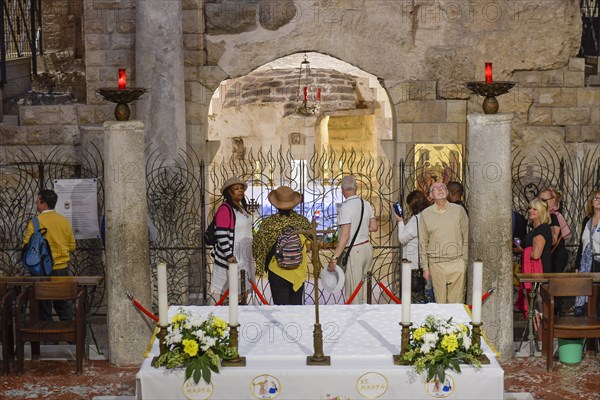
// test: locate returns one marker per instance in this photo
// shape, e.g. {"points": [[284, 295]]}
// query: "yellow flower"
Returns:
{"points": [[220, 324], [178, 318], [464, 328], [450, 343], [190, 347], [419, 332]]}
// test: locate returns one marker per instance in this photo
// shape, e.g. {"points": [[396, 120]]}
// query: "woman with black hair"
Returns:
{"points": [[233, 235]]}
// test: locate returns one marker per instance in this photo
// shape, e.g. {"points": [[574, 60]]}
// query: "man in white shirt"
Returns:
{"points": [[349, 221]]}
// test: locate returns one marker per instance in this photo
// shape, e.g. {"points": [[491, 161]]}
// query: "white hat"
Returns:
{"points": [[333, 281]]}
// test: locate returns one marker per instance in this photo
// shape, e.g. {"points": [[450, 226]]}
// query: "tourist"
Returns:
{"points": [[537, 244], [560, 229], [287, 282], [408, 235], [588, 254], [355, 220], [233, 234], [455, 194], [61, 240], [444, 245]]}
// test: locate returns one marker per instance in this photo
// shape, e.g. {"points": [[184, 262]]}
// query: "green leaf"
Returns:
{"points": [[455, 365], [441, 373]]}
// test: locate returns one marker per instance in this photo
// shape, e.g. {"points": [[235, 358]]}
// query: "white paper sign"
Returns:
{"points": [[77, 200]]}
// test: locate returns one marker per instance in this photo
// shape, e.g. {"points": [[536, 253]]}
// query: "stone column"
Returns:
{"points": [[490, 222], [127, 252], [160, 68]]}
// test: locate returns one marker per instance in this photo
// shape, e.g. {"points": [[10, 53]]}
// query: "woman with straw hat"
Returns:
{"points": [[287, 284], [233, 234]]}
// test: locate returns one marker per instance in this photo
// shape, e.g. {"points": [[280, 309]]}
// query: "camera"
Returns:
{"points": [[398, 209]]}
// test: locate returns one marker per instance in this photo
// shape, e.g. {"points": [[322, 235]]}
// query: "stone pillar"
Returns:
{"points": [[159, 68], [490, 222], [127, 252]]}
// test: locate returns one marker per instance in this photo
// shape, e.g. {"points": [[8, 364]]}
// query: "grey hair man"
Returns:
{"points": [[351, 222], [444, 245]]}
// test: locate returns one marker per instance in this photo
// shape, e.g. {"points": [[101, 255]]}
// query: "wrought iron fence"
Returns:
{"points": [[21, 31], [318, 180], [20, 182], [183, 195], [575, 175]]}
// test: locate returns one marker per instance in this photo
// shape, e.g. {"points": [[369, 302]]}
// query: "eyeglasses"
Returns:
{"points": [[597, 198]]}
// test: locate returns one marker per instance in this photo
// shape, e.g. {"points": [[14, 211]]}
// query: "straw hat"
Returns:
{"points": [[284, 198], [233, 181]]}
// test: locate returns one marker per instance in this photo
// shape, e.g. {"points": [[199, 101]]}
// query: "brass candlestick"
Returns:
{"points": [[476, 340], [233, 343], [162, 343], [318, 358], [399, 358]]}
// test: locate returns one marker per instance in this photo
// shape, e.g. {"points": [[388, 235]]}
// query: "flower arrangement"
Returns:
{"points": [[197, 343], [440, 344]]}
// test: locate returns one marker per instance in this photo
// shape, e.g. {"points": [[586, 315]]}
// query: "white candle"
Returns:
{"points": [[232, 275], [477, 284], [163, 301], [406, 277]]}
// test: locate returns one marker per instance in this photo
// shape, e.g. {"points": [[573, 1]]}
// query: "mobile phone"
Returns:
{"points": [[398, 209], [517, 242]]}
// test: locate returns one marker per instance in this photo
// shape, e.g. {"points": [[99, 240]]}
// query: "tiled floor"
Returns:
{"points": [[54, 378]]}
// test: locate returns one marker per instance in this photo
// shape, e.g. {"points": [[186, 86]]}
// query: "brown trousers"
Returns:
{"points": [[448, 279]]}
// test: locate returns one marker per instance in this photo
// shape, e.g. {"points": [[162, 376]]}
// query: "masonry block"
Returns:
{"points": [[571, 116]]}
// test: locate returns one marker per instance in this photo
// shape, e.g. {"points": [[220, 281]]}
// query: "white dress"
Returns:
{"points": [[242, 250]]}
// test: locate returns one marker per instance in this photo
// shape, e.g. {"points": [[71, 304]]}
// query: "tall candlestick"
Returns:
{"points": [[406, 277], [477, 284], [163, 302], [232, 275], [122, 81], [488, 72]]}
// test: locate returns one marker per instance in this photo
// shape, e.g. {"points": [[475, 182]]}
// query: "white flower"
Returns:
{"points": [[430, 338], [199, 334], [466, 342], [195, 321], [174, 337]]}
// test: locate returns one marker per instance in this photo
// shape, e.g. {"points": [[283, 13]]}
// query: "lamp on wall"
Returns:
{"points": [[308, 95]]}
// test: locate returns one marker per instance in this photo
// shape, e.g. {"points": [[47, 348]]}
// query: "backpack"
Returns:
{"points": [[36, 255], [288, 249], [210, 236]]}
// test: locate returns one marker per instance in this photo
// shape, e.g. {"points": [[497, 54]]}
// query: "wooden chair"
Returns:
{"points": [[568, 326], [31, 329], [7, 297]]}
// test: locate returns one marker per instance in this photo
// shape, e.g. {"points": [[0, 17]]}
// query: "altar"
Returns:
{"points": [[360, 339]]}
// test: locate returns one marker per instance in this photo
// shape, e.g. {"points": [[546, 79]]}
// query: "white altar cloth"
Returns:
{"points": [[360, 339]]}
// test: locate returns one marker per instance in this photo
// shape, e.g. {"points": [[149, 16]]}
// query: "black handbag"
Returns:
{"points": [[417, 282]]}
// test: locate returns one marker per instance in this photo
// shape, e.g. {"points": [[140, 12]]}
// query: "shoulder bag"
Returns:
{"points": [[343, 258]]}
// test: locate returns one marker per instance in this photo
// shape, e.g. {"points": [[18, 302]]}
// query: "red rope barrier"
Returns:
{"points": [[484, 297], [140, 307], [260, 296], [355, 291], [387, 291], [222, 299]]}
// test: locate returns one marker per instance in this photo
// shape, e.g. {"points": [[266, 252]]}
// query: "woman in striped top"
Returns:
{"points": [[233, 234]]}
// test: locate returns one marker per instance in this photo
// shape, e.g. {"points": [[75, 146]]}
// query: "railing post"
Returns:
{"points": [[41, 178]]}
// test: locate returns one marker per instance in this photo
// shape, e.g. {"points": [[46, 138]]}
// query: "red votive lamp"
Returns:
{"points": [[319, 94], [488, 72], [122, 81], [305, 93]]}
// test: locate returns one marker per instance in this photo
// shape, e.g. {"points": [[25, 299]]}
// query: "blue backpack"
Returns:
{"points": [[37, 256]]}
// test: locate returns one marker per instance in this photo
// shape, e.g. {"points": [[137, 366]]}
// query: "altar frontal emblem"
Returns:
{"points": [[199, 391], [439, 390], [372, 385], [265, 387]]}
